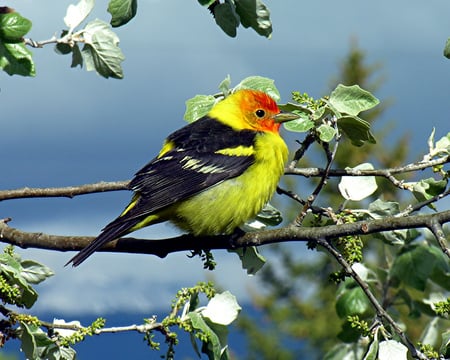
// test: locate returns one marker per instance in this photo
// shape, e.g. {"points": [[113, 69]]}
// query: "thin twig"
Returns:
{"points": [[386, 173], [413, 208], [323, 180], [42, 43], [305, 144], [68, 191], [436, 228], [71, 191], [381, 313]]}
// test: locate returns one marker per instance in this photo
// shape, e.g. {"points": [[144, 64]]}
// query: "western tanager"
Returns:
{"points": [[211, 175]]}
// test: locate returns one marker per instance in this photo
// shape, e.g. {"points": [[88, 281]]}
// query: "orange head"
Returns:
{"points": [[250, 109]]}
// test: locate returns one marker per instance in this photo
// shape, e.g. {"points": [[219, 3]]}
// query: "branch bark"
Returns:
{"points": [[163, 247], [71, 191], [68, 191]]}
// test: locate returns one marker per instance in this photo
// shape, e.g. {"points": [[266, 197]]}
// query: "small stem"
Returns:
{"points": [[323, 180], [381, 313], [68, 191], [309, 139], [436, 228]]}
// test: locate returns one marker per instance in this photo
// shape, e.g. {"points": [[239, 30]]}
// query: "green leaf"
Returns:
{"points": [[16, 59], [345, 352], [251, 259], [13, 26], [326, 132], [28, 344], [226, 17], [391, 349], [37, 345], [213, 348], [222, 309], [221, 334], [357, 188], [101, 51], [428, 188], [255, 14], [447, 49], [269, 216], [352, 99], [77, 57], [357, 130], [76, 14], [13, 272], [260, 83], [198, 107], [302, 124], [441, 270], [352, 302], [224, 86], [445, 344], [34, 273], [63, 49], [372, 351], [443, 145], [430, 335], [348, 334], [122, 11], [415, 265], [379, 208], [320, 113]]}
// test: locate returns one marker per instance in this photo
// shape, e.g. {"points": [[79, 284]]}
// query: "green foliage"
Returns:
{"points": [[101, 52], [205, 323], [231, 13], [80, 335], [16, 277], [406, 272], [122, 11], [447, 49], [15, 58], [339, 111], [200, 105], [442, 308]]}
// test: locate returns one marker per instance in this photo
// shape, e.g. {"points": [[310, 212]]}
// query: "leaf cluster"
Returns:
{"points": [[229, 14], [15, 58]]}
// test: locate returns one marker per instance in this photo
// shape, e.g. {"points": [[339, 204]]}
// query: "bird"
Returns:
{"points": [[211, 175]]}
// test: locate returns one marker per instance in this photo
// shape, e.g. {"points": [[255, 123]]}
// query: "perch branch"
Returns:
{"points": [[163, 247]]}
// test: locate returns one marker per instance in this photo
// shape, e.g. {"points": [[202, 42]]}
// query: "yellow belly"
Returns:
{"points": [[225, 206]]}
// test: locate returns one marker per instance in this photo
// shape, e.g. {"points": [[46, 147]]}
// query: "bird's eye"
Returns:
{"points": [[260, 113]]}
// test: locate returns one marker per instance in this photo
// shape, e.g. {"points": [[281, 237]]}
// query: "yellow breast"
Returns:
{"points": [[227, 205]]}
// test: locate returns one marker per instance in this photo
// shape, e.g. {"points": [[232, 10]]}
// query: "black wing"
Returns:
{"points": [[189, 167], [192, 166]]}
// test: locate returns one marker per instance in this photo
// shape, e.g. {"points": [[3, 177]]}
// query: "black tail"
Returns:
{"points": [[112, 231]]}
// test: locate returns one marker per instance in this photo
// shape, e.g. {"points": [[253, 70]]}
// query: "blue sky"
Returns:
{"points": [[70, 127]]}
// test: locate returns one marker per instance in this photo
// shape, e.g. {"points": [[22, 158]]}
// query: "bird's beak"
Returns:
{"points": [[284, 117]]}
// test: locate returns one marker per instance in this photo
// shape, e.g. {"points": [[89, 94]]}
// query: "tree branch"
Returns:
{"points": [[142, 328], [163, 247], [386, 173], [71, 191], [68, 191], [381, 313]]}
